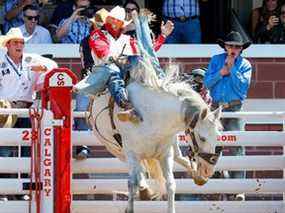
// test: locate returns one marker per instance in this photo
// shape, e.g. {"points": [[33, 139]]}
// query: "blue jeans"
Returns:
{"points": [[95, 82], [110, 76], [81, 104], [185, 32], [145, 44]]}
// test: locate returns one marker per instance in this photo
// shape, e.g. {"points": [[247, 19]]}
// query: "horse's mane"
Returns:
{"points": [[148, 73], [174, 84]]}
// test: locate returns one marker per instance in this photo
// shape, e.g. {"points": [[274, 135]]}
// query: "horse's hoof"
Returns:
{"points": [[147, 194]]}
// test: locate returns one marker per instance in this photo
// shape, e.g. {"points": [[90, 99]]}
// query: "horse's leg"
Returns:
{"points": [[143, 186], [132, 182], [183, 161], [166, 163], [145, 192]]}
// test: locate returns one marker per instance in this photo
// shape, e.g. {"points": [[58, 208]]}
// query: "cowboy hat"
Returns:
{"points": [[13, 33], [120, 14], [234, 38], [199, 74], [7, 121], [100, 17], [199, 71]]}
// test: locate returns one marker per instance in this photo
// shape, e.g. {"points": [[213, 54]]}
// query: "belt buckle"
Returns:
{"points": [[182, 18], [224, 104]]}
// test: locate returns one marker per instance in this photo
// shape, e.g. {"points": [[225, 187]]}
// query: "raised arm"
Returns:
{"points": [[166, 30]]}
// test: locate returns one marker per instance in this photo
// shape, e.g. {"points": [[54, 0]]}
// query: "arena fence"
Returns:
{"points": [[58, 132]]}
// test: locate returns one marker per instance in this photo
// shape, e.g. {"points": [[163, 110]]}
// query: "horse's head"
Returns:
{"points": [[204, 130]]}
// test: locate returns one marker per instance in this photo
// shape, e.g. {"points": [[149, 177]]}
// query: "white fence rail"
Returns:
{"points": [[113, 165], [15, 137], [160, 207], [244, 115], [183, 186]]}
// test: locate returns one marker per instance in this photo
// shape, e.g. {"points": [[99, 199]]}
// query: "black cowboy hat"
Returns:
{"points": [[234, 38]]}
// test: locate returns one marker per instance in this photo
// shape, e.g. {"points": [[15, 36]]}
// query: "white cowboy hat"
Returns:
{"points": [[120, 14], [100, 16], [13, 33]]}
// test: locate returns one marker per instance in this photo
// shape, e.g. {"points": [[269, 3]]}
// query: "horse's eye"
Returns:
{"points": [[202, 138], [213, 159]]}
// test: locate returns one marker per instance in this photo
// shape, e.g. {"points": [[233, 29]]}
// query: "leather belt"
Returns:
{"points": [[181, 18], [226, 105], [21, 104]]}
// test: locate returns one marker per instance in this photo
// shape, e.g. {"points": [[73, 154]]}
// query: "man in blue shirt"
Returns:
{"points": [[228, 79]]}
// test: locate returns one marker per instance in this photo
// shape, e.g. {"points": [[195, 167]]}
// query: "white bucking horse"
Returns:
{"points": [[167, 107]]}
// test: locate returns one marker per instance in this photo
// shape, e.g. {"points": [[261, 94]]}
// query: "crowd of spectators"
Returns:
{"points": [[68, 21]]}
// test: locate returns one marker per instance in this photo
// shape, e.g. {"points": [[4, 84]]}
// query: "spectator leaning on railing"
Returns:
{"points": [[228, 79], [34, 33]]}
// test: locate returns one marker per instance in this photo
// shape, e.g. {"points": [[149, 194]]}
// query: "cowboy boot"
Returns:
{"points": [[129, 114]]}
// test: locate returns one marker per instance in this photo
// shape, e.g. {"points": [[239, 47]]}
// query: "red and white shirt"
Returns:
{"points": [[103, 45]]}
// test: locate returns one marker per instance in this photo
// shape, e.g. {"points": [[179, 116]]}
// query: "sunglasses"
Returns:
{"points": [[129, 10], [30, 18]]}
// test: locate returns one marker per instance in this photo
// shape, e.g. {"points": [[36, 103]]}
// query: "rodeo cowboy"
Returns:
{"points": [[107, 45]]}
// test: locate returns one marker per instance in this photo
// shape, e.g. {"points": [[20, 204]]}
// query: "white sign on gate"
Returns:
{"points": [[60, 79], [47, 168]]}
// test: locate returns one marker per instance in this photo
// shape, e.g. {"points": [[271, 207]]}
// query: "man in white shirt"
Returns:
{"points": [[19, 71], [18, 75], [32, 32]]}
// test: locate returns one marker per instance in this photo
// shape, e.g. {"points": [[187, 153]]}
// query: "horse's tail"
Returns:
{"points": [[154, 171]]}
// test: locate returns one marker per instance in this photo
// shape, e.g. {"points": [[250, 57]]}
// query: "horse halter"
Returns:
{"points": [[196, 151]]}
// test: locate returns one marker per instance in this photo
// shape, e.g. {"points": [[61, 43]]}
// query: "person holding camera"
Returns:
{"points": [[263, 19], [275, 30], [75, 28]]}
